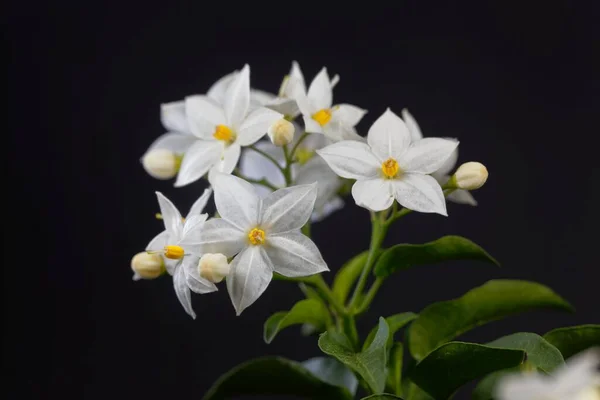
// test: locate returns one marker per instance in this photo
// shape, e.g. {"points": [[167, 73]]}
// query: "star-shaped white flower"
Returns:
{"points": [[442, 175], [320, 116], [222, 130], [391, 167], [218, 91], [178, 244], [579, 379], [263, 234]]}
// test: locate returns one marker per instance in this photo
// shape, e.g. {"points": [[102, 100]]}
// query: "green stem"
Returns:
{"points": [[370, 296], [287, 171], [319, 283], [298, 143], [262, 181], [268, 157], [349, 329]]}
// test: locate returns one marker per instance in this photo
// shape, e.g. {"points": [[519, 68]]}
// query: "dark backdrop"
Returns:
{"points": [[514, 82]]}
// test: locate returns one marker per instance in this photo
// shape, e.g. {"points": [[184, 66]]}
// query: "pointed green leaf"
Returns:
{"points": [[443, 321], [347, 275], [574, 339], [384, 396], [309, 311], [332, 371], [447, 248], [540, 353], [273, 376], [369, 364], [394, 377], [395, 323], [453, 364]]}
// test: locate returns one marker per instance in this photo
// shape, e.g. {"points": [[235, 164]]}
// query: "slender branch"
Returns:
{"points": [[287, 170], [319, 283], [370, 296], [262, 181], [298, 143]]}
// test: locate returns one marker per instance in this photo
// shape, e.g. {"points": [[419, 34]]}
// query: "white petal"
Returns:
{"points": [[335, 80], [258, 98], [462, 197], [198, 160], [292, 254], [523, 387], [348, 114], [172, 116], [317, 170], [193, 279], [176, 142], [159, 241], [374, 194], [295, 82], [427, 155], [219, 236], [412, 125], [251, 272], [170, 216], [310, 125], [183, 291], [319, 93], [285, 106], [580, 371], [351, 159], [198, 206], [203, 115], [236, 201], [256, 125], [288, 209], [190, 237], [420, 193], [334, 204], [449, 164], [237, 98], [388, 136], [227, 163], [219, 88], [255, 166]]}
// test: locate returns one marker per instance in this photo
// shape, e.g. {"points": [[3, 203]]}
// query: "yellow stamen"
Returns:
{"points": [[303, 155], [223, 132], [174, 252], [256, 236], [390, 168], [322, 116]]}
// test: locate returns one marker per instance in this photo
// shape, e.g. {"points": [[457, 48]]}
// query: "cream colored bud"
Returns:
{"points": [[469, 176], [161, 163], [147, 265], [281, 132], [213, 267]]}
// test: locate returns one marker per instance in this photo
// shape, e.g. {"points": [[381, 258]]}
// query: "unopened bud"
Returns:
{"points": [[161, 163], [469, 176], [213, 267], [281, 132], [147, 265]]}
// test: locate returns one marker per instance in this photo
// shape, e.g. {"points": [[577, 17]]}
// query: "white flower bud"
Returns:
{"points": [[147, 265], [281, 132], [213, 267], [161, 163], [469, 176]]}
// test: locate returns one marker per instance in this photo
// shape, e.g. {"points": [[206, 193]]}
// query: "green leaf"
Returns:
{"points": [[384, 396], [447, 248], [274, 376], [540, 353], [441, 322], [574, 339], [309, 311], [347, 275], [485, 388], [394, 377], [370, 364], [395, 323], [453, 364], [331, 371]]}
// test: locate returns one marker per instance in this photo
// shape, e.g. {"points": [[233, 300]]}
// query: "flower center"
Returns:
{"points": [[390, 168], [174, 252], [224, 133], [304, 154], [256, 236], [322, 116]]}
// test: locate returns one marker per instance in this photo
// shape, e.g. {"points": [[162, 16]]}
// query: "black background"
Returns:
{"points": [[516, 83]]}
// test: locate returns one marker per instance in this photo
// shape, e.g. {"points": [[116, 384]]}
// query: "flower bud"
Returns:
{"points": [[161, 163], [213, 267], [147, 265], [281, 132], [469, 176]]}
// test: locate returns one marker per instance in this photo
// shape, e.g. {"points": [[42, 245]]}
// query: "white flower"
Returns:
{"points": [[577, 380], [178, 244], [391, 167], [310, 169], [281, 132], [222, 130], [336, 122], [442, 175], [264, 233], [218, 91], [147, 266]]}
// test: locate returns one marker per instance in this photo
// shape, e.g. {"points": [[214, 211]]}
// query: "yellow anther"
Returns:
{"points": [[322, 116], [223, 132], [390, 168], [256, 236], [174, 252]]}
